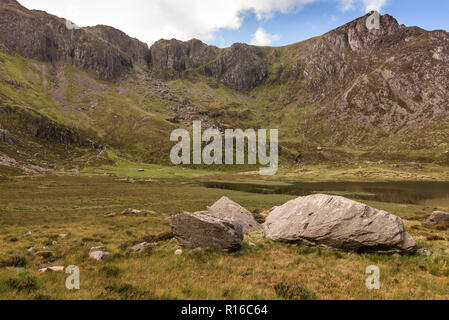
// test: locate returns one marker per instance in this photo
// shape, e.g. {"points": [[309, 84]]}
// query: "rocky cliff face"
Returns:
{"points": [[388, 79], [171, 58], [240, 67], [38, 35]]}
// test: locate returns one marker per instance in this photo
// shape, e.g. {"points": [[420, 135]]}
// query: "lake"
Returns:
{"points": [[428, 193]]}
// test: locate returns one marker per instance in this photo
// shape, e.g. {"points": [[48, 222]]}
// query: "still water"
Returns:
{"points": [[428, 193]]}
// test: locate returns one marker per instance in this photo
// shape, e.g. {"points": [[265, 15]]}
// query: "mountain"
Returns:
{"points": [[67, 94]]}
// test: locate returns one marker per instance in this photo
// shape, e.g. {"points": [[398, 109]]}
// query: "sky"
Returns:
{"points": [[224, 22]]}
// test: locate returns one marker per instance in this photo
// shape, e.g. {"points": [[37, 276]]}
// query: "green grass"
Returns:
{"points": [[49, 206]]}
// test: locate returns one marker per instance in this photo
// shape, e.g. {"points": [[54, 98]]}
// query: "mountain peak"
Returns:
{"points": [[364, 33]]}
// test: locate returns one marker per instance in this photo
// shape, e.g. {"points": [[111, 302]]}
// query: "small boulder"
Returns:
{"points": [[334, 222], [110, 215], [201, 230], [52, 269], [141, 247], [131, 211], [178, 252], [415, 165], [438, 217], [424, 252], [98, 253], [227, 209]]}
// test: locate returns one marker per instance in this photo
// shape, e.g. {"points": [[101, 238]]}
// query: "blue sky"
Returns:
{"points": [[223, 22], [318, 18]]}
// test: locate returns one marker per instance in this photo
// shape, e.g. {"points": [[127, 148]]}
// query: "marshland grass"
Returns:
{"points": [[53, 205]]}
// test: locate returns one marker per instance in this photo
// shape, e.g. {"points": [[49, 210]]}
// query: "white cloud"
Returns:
{"points": [[150, 20], [155, 19], [261, 38], [367, 5]]}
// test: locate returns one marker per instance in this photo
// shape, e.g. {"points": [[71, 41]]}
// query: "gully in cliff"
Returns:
{"points": [[212, 153]]}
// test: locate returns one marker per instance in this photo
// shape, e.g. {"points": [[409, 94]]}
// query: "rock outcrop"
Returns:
{"points": [[240, 67], [338, 223], [7, 137], [41, 36], [171, 58], [227, 209], [201, 230]]}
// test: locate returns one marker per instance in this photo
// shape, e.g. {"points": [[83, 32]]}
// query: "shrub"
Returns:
{"points": [[293, 291], [110, 271], [14, 261], [26, 283], [125, 291]]}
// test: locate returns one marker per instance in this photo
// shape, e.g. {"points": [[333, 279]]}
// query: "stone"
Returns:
{"points": [[7, 137], [131, 211], [178, 252], [252, 244], [141, 247], [201, 230], [110, 215], [438, 217], [52, 269], [98, 253], [415, 165], [227, 209], [334, 222], [424, 252]]}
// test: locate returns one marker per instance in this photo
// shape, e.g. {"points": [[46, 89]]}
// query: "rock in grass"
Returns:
{"points": [[415, 165], [141, 247], [98, 253], [201, 230], [338, 223], [110, 215], [424, 252], [52, 269], [178, 252], [227, 209], [438, 217], [131, 211]]}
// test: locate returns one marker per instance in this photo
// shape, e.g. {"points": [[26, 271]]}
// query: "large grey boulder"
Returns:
{"points": [[438, 217], [338, 223], [201, 230], [227, 209]]}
